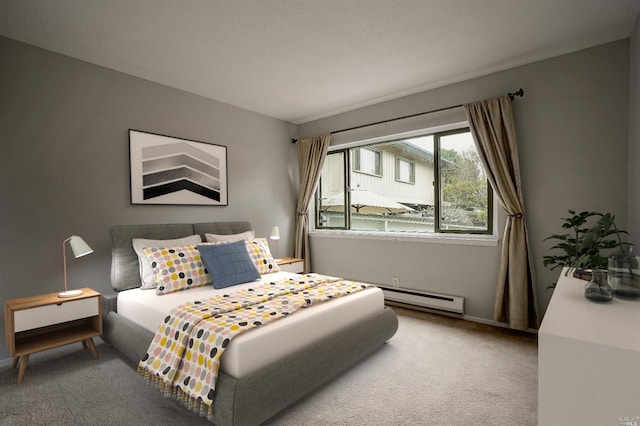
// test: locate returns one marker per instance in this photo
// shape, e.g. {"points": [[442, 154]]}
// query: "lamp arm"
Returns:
{"points": [[64, 261]]}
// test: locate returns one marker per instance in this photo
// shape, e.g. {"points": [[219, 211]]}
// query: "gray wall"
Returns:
{"points": [[634, 133], [64, 165], [572, 128]]}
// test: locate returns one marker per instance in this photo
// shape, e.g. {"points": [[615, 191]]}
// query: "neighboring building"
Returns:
{"points": [[390, 170]]}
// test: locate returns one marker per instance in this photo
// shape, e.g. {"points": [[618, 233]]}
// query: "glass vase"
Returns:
{"points": [[598, 289], [624, 272]]}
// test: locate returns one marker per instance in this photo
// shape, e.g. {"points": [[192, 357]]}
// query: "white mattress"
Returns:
{"points": [[260, 346]]}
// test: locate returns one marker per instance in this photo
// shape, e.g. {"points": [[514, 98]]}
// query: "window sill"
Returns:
{"points": [[466, 239]]}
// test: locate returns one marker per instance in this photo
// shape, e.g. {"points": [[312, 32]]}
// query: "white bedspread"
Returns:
{"points": [[258, 347]]}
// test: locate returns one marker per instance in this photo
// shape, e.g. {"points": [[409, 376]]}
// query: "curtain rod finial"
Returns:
{"points": [[294, 140], [519, 92]]}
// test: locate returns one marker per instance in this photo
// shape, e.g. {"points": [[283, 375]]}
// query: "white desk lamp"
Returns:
{"points": [[275, 236], [79, 248]]}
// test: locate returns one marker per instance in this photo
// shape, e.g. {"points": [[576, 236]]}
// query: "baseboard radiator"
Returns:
{"points": [[440, 303]]}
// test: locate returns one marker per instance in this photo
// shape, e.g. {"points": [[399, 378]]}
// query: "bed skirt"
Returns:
{"points": [[262, 394]]}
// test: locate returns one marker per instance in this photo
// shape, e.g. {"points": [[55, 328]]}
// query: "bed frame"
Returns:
{"points": [[254, 398]]}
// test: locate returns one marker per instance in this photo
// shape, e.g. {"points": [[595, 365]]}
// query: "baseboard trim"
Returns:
{"points": [[494, 323], [470, 318]]}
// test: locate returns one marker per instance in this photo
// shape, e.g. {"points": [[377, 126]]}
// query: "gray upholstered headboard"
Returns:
{"points": [[125, 271]]}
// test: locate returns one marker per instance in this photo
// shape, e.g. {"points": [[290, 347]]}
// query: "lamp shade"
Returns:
{"points": [[79, 247], [275, 233]]}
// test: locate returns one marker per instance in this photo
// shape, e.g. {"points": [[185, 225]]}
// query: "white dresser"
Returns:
{"points": [[588, 359]]}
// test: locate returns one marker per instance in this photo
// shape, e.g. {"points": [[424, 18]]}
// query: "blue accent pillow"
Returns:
{"points": [[228, 264]]}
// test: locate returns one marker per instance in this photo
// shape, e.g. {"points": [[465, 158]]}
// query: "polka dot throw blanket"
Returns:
{"points": [[184, 356]]}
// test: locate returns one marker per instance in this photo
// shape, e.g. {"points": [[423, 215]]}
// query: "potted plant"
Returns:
{"points": [[587, 244]]}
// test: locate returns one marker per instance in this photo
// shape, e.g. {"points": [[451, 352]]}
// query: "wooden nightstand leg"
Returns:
{"points": [[92, 347], [15, 361], [24, 359], [84, 344]]}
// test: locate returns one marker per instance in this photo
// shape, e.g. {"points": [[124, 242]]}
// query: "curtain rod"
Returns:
{"points": [[512, 96]]}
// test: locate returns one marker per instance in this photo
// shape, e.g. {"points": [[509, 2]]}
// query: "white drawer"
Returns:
{"points": [[295, 267], [42, 316]]}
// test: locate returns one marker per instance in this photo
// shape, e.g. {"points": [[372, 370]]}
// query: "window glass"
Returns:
{"points": [[463, 184], [332, 195], [438, 185]]}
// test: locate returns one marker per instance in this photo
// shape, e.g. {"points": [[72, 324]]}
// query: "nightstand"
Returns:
{"points": [[46, 321], [290, 264]]}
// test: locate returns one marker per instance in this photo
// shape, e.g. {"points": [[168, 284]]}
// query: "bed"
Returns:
{"points": [[297, 354]]}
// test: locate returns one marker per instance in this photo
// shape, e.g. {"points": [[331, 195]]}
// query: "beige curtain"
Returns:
{"points": [[311, 155], [491, 123]]}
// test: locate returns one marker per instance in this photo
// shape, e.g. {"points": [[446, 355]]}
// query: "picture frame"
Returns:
{"points": [[172, 170]]}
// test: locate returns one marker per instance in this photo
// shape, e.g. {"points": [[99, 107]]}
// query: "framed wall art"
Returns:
{"points": [[170, 170]]}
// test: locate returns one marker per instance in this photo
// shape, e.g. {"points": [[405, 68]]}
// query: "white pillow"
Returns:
{"points": [[147, 277], [215, 238]]}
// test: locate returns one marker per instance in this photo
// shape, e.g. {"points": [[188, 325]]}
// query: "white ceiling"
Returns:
{"points": [[300, 60]]}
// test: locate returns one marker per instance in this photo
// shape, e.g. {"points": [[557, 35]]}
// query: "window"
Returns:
{"points": [[438, 185], [367, 161], [405, 170]]}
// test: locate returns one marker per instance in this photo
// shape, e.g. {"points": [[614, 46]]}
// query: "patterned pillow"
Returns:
{"points": [[177, 268], [228, 264], [147, 276], [259, 252]]}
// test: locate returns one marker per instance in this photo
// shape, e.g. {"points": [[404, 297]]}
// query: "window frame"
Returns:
{"points": [[459, 234], [347, 193]]}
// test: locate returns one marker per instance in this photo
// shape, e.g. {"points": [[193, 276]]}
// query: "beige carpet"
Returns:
{"points": [[434, 371]]}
